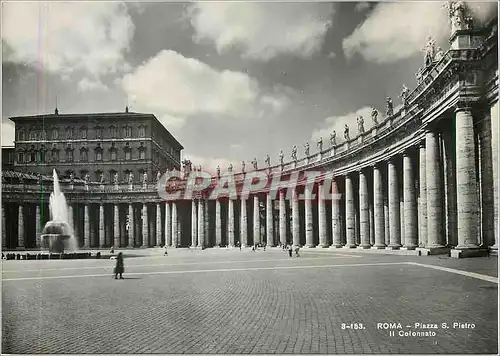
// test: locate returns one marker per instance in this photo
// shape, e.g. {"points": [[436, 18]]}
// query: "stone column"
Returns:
{"points": [[495, 134], [308, 220], [336, 226], [434, 193], [349, 209], [168, 225], [86, 227], [394, 208], [243, 223], [175, 226], [206, 224], [450, 194], [283, 221], [295, 219], [194, 224], [322, 217], [38, 227], [101, 226], [230, 223], [131, 239], [158, 225], [145, 227], [269, 221], [364, 211], [256, 220], [378, 207], [218, 224], [422, 221], [4, 229], [410, 203], [116, 226], [467, 195], [201, 223], [20, 241]]}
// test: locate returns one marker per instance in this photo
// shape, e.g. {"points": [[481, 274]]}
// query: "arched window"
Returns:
{"points": [[55, 134], [20, 157], [142, 131], [21, 135], [70, 132], [43, 135], [112, 131], [69, 155], [112, 153], [83, 132], [98, 132], [84, 157], [33, 135], [98, 154], [55, 155]]}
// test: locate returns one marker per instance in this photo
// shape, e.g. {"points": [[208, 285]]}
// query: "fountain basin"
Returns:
{"points": [[56, 237]]}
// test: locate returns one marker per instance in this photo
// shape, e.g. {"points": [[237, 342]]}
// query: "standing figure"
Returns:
{"points": [[361, 126], [230, 168], [130, 178], [430, 50], [268, 161], [346, 132], [294, 153], [281, 157], [320, 144], [199, 168], [243, 166], [254, 163], [158, 176], [87, 178], [218, 171], [439, 54], [115, 178], [374, 116], [404, 94], [333, 137], [119, 268], [144, 178], [390, 110], [101, 178], [71, 178], [306, 149]]}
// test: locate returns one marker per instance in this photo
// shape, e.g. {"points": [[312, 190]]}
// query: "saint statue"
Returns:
{"points": [[439, 54], [243, 166], [282, 156], [230, 168], [306, 149], [268, 161], [144, 178], [404, 94], [346, 132], [456, 13], [294, 152], [115, 178], [320, 144], [71, 177], [333, 137], [199, 168], [87, 178], [374, 116], [390, 110], [218, 171], [254, 163], [430, 51], [158, 176], [101, 178], [130, 178], [361, 122]]}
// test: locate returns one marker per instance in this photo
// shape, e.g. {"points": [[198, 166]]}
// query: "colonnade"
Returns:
{"points": [[434, 195]]}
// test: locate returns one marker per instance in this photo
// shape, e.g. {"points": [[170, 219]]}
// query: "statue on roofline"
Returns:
{"points": [[374, 116], [294, 153], [390, 109], [319, 144], [268, 160], [306, 149], [281, 157], [333, 137], [346, 132], [361, 122]]}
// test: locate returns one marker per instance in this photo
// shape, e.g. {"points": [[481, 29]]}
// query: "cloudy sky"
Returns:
{"points": [[230, 80]]}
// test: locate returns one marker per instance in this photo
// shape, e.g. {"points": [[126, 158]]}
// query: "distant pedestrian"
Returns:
{"points": [[290, 251], [253, 248], [239, 244], [297, 251], [166, 251], [265, 246], [119, 268]]}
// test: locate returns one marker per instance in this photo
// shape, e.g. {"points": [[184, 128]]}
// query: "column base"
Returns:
{"points": [[364, 247], [429, 251], [350, 246], [336, 246], [379, 247], [323, 246], [493, 250], [468, 252], [393, 247], [409, 247], [309, 246]]}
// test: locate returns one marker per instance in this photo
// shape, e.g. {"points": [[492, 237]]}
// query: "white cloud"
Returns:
{"points": [[87, 84], [337, 123], [171, 84], [397, 30], [262, 30], [68, 37], [332, 55]]}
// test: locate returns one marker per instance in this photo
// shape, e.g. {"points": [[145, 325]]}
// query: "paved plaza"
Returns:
{"points": [[240, 302]]}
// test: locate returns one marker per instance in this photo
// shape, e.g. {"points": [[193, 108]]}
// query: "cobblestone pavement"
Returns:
{"points": [[230, 301]]}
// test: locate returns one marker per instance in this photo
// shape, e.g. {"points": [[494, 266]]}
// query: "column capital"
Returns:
{"points": [[463, 106], [421, 144]]}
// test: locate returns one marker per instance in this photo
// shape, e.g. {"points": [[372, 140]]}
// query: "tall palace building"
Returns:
{"points": [[424, 178]]}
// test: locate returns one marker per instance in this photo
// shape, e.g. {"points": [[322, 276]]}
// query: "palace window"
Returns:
{"points": [[55, 134], [142, 131], [70, 133], [113, 154], [21, 135], [98, 154], [128, 155], [127, 131], [112, 131], [69, 155], [33, 135], [98, 132], [43, 135], [142, 154], [20, 157], [42, 155], [83, 132], [55, 156], [84, 157]]}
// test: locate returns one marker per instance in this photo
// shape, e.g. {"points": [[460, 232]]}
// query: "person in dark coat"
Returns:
{"points": [[119, 268], [290, 250]]}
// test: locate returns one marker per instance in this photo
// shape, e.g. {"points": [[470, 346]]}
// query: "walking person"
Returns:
{"points": [[290, 250], [297, 248], [119, 268], [166, 252]]}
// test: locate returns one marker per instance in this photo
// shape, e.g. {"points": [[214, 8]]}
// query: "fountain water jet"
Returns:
{"points": [[57, 235]]}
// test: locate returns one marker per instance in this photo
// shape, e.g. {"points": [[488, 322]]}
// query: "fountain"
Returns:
{"points": [[57, 235]]}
